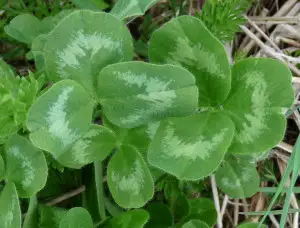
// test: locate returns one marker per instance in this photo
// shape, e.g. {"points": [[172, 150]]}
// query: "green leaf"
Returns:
{"points": [[77, 217], [253, 157], [129, 8], [129, 179], [137, 93], [32, 217], [192, 147], [160, 216], [129, 219], [84, 47], [60, 123], [252, 225], [186, 42], [6, 71], [26, 166], [129, 136], [60, 116], [95, 145], [8, 82], [204, 210], [181, 207], [37, 49], [24, 28], [195, 224], [260, 89], [2, 168], [51, 216], [238, 179], [10, 216], [91, 4]]}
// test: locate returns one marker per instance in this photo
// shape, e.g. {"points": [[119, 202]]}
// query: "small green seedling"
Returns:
{"points": [[187, 113]]}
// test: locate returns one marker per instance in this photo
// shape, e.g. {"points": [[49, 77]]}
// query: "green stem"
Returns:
{"points": [[31, 218], [99, 188], [173, 6]]}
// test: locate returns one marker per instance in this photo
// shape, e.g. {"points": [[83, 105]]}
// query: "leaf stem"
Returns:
{"points": [[31, 216], [99, 188], [216, 200]]}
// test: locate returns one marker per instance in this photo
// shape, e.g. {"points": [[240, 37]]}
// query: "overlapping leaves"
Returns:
{"points": [[26, 27], [60, 122], [252, 96], [240, 109], [79, 53], [129, 8], [238, 178]]}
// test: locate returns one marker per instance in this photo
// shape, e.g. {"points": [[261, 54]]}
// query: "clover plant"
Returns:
{"points": [[187, 113]]}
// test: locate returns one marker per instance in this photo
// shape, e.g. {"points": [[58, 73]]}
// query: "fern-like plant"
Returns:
{"points": [[223, 17]]}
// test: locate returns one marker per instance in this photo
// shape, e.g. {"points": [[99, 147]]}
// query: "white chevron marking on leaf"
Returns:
{"points": [[79, 149], [10, 215], [133, 182], [255, 119], [57, 119], [231, 184], [192, 55], [25, 164], [175, 147], [156, 94], [152, 128], [143, 81], [82, 44], [126, 10]]}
